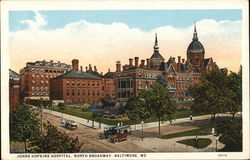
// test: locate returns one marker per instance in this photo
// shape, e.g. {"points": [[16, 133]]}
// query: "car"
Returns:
{"points": [[69, 124], [121, 133], [107, 132]]}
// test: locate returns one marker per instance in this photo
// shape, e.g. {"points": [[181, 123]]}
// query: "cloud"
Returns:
{"points": [[37, 23], [103, 44]]}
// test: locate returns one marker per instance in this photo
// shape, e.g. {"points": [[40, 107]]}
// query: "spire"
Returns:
{"points": [[195, 37], [156, 47]]}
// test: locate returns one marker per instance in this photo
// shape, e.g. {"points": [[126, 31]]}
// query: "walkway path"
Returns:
{"points": [[171, 145]]}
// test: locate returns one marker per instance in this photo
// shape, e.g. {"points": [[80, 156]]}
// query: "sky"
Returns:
{"points": [[101, 37]]}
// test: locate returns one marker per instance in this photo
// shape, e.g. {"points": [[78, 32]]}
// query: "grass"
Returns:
{"points": [[87, 115], [194, 132], [201, 143]]}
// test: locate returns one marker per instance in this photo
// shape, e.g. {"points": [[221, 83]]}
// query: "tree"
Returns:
{"points": [[23, 124], [137, 109], [235, 87], [94, 115], [231, 134], [211, 95], [158, 103], [54, 141]]}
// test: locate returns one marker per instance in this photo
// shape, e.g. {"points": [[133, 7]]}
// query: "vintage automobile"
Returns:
{"points": [[121, 133], [108, 131], [69, 124]]}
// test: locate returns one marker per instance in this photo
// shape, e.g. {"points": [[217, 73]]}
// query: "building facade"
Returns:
{"points": [[179, 75], [35, 78], [14, 90], [76, 86]]}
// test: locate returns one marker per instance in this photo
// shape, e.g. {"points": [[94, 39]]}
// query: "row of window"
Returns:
{"points": [[39, 88], [38, 82], [39, 94], [83, 83], [84, 92], [41, 76], [47, 70]]}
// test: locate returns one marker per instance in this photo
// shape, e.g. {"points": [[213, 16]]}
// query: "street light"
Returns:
{"points": [[142, 130]]}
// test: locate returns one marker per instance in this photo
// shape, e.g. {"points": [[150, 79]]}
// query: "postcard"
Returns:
{"points": [[125, 80]]}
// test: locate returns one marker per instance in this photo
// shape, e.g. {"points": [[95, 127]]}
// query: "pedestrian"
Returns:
{"points": [[191, 117], [196, 141]]}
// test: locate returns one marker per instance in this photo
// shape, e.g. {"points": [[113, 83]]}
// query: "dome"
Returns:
{"points": [[195, 46]]}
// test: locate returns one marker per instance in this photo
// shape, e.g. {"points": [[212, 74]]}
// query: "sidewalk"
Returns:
{"points": [[171, 145], [134, 127]]}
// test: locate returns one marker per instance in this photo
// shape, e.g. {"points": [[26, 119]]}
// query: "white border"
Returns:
{"points": [[128, 5]]}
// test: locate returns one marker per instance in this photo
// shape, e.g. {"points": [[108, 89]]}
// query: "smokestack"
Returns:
{"points": [[81, 68], [148, 63], [95, 69], [179, 59], [118, 66], [75, 64], [142, 63], [90, 68], [136, 61], [86, 68], [183, 60], [109, 70], [130, 62]]}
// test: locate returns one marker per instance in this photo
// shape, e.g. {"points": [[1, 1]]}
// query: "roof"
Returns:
{"points": [[156, 55], [78, 74], [48, 64], [195, 46], [109, 75], [207, 60], [13, 74], [163, 66], [95, 73]]}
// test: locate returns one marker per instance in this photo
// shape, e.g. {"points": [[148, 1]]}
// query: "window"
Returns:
{"points": [[32, 88], [37, 76], [67, 92], [37, 88], [93, 93], [83, 92], [93, 83], [78, 92], [98, 84], [42, 82], [88, 93], [41, 88], [73, 92], [83, 83], [33, 75], [73, 83], [78, 83], [88, 83]]}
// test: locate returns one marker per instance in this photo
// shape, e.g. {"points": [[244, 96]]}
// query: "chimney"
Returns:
{"points": [[173, 59], [90, 68], [51, 61], [75, 64], [179, 59], [81, 68], [109, 70], [118, 66], [86, 68], [148, 63], [101, 73], [59, 62], [95, 69], [136, 61], [123, 68], [183, 60], [130, 62], [142, 63]]}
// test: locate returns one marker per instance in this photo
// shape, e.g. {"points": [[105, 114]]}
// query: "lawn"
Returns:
{"points": [[201, 143], [87, 115], [195, 132]]}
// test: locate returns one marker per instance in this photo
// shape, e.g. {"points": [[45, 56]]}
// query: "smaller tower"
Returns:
{"points": [[156, 59]]}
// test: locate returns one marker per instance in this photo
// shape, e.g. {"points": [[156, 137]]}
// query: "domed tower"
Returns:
{"points": [[156, 59], [196, 52]]}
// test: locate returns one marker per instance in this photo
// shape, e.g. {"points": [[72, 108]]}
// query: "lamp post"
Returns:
{"points": [[142, 130]]}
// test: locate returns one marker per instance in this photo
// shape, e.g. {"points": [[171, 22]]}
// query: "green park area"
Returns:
{"points": [[200, 143], [75, 110]]}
